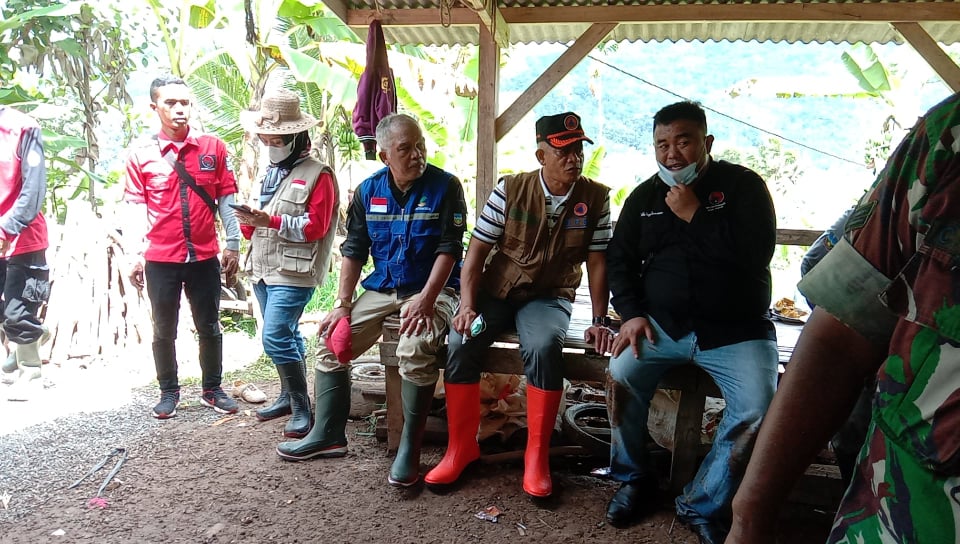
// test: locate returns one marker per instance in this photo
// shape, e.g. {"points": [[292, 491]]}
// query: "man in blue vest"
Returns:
{"points": [[410, 217]]}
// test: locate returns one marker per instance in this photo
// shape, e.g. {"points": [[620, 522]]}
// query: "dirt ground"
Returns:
{"points": [[203, 477]]}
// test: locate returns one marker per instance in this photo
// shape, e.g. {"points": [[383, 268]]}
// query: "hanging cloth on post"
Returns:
{"points": [[376, 92]]}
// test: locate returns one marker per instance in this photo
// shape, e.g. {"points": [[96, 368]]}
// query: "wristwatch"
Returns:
{"points": [[342, 303], [601, 320]]}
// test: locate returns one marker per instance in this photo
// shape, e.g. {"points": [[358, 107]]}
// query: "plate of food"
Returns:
{"points": [[786, 311]]}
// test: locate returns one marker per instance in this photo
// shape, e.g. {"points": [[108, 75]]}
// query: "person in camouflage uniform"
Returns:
{"points": [[888, 301]]}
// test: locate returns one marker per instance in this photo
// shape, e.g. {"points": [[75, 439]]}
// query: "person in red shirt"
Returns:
{"points": [[176, 181], [23, 243]]}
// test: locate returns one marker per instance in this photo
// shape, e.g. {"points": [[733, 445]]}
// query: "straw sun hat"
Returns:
{"points": [[279, 113]]}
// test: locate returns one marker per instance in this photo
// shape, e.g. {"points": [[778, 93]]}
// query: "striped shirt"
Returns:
{"points": [[490, 224]]}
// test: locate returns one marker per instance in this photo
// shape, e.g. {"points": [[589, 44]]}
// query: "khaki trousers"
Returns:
{"points": [[417, 354]]}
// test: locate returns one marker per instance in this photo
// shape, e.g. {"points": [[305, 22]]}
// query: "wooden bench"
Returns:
{"points": [[582, 364]]}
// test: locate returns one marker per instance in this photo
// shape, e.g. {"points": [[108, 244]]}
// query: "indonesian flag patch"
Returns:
{"points": [[299, 182], [378, 204]]}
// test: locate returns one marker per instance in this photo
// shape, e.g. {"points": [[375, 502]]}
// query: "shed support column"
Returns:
{"points": [[488, 91], [931, 52]]}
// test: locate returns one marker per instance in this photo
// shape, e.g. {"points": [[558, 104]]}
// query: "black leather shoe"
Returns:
{"points": [[632, 502], [708, 532]]}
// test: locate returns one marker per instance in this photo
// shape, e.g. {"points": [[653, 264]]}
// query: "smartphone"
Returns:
{"points": [[242, 207]]}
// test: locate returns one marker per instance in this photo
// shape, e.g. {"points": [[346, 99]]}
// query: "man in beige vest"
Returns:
{"points": [[541, 226]]}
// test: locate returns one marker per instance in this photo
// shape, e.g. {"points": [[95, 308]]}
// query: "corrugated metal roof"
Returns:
{"points": [[820, 31]]}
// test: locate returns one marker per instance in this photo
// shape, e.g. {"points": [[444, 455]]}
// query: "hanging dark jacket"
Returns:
{"points": [[376, 92]]}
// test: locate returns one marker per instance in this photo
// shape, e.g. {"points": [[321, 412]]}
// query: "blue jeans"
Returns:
{"points": [[746, 374], [541, 325], [281, 307]]}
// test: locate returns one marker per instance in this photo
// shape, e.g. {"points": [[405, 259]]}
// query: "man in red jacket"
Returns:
{"points": [[177, 181], [23, 243]]}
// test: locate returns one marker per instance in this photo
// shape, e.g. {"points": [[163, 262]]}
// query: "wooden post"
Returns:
{"points": [[489, 88]]}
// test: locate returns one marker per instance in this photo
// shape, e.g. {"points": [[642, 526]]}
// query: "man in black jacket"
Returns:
{"points": [[688, 269]]}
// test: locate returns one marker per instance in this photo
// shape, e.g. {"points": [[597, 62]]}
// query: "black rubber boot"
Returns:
{"points": [[417, 400], [281, 406], [328, 437], [299, 424]]}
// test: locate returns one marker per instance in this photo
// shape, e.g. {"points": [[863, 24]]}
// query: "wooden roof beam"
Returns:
{"points": [[551, 76], [339, 8], [931, 52], [418, 16], [491, 18]]}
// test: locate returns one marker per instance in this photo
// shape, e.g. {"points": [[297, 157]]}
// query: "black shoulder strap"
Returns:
{"points": [[188, 179], [192, 183]]}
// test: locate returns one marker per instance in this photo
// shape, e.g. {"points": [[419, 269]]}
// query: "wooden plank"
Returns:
{"points": [[339, 8], [487, 107], [931, 52], [243, 306], [797, 237], [551, 76], [417, 16], [860, 12], [492, 19]]}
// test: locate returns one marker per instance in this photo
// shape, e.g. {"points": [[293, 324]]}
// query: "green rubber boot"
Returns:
{"points": [[328, 437], [28, 382], [417, 399]]}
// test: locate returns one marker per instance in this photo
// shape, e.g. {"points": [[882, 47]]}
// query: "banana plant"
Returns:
{"points": [[75, 55]]}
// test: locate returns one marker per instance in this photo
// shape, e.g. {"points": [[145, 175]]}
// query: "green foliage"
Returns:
{"points": [[220, 92], [324, 295], [779, 167], [238, 322], [68, 65], [864, 65], [591, 168], [261, 370]]}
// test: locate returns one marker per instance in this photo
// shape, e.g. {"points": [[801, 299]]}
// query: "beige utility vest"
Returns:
{"points": [[278, 261], [530, 261]]}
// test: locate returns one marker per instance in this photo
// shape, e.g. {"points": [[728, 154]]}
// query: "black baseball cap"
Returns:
{"points": [[560, 130]]}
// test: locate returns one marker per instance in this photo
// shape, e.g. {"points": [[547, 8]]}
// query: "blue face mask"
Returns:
{"points": [[684, 176]]}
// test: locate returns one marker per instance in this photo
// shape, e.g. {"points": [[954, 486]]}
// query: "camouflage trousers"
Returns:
{"points": [[895, 499]]}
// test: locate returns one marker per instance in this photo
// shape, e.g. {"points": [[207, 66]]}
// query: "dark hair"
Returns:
{"points": [[163, 81], [685, 111]]}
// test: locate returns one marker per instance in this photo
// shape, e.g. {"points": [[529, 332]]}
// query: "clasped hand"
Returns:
{"points": [[601, 337]]}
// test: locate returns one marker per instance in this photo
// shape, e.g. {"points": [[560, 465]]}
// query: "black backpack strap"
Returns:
{"points": [[192, 183], [187, 178]]}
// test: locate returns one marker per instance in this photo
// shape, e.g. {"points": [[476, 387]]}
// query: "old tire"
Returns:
{"points": [[368, 388], [587, 425]]}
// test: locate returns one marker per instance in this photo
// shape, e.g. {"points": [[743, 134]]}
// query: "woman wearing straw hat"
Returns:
{"points": [[291, 235]]}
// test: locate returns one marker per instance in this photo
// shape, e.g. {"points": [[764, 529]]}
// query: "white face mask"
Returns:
{"points": [[684, 176], [277, 154]]}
